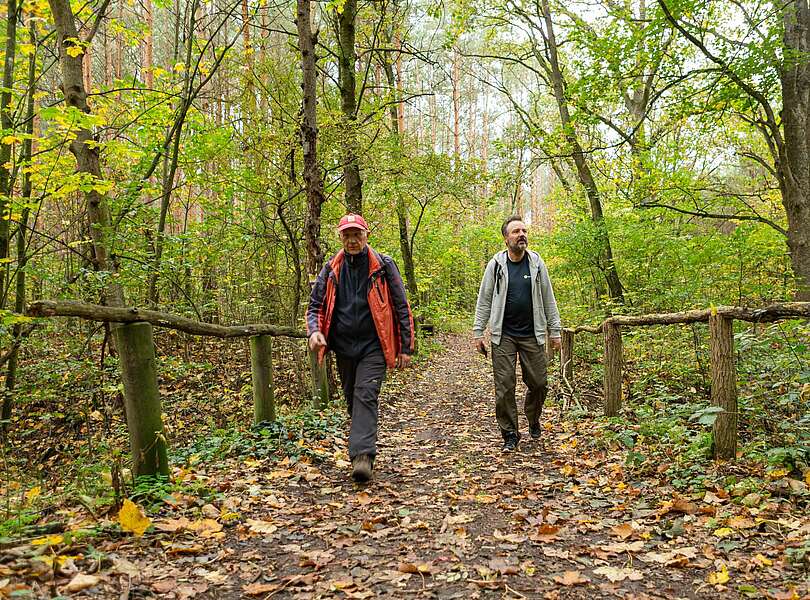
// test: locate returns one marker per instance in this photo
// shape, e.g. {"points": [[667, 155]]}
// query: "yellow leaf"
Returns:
{"points": [[719, 577], [48, 540], [9, 139], [485, 498], [777, 473], [765, 562], [724, 532], [132, 519], [32, 493], [75, 50]]}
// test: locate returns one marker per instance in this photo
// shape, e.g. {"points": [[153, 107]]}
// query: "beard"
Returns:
{"points": [[518, 245]]}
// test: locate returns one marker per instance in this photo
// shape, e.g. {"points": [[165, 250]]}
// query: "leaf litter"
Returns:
{"points": [[446, 516]]}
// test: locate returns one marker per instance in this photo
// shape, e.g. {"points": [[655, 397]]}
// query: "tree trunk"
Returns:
{"points": [[348, 104], [6, 125], [313, 181], [22, 258], [605, 252], [724, 385], [148, 49], [795, 164], [170, 164], [85, 149], [397, 126], [142, 399], [455, 80]]}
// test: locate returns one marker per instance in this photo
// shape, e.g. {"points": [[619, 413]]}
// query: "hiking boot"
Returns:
{"points": [[534, 431], [510, 441], [361, 468]]}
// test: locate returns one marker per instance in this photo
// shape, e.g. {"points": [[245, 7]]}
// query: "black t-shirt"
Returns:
{"points": [[518, 316]]}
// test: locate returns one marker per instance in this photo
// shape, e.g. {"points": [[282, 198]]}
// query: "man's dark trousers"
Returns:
{"points": [[532, 366], [361, 380]]}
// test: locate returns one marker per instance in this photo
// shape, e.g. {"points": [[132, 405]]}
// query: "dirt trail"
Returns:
{"points": [[448, 516]]}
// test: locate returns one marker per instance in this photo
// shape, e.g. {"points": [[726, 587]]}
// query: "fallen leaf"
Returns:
{"points": [[177, 549], [624, 531], [363, 499], [164, 586], [259, 589], [762, 560], [499, 565], [679, 505], [615, 574], [571, 578], [718, 577], [205, 527], [81, 582], [132, 518], [545, 533], [48, 540], [281, 474], [258, 526], [678, 557], [31, 494], [620, 547], [512, 538], [124, 567], [172, 525], [723, 532], [740, 522]]}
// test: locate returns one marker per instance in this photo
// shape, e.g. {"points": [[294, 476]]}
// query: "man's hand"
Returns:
{"points": [[403, 360], [316, 341], [480, 346], [556, 343]]}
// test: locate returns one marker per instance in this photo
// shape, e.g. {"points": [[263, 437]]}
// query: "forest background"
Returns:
{"points": [[194, 156]]}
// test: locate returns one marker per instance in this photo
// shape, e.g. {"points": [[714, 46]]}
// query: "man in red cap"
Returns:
{"points": [[358, 309]]}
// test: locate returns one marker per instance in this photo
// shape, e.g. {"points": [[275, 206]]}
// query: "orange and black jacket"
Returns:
{"points": [[387, 303]]}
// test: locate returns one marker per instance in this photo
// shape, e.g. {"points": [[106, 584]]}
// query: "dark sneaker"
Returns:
{"points": [[361, 468], [510, 441], [534, 431]]}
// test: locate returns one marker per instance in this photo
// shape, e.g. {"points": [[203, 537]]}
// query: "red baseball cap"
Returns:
{"points": [[352, 221]]}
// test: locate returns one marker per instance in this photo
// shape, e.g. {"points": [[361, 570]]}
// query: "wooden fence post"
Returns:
{"points": [[567, 359], [142, 399], [261, 366], [613, 368], [724, 385], [320, 381]]}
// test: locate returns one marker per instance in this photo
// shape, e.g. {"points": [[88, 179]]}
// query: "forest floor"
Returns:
{"points": [[447, 515]]}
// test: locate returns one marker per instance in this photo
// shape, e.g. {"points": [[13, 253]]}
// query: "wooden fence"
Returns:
{"points": [[139, 373], [721, 347], [142, 399]]}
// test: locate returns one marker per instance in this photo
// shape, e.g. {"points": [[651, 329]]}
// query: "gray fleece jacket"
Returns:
{"points": [[492, 299]]}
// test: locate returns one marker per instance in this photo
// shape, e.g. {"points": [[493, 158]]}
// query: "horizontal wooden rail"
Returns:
{"points": [[97, 312], [768, 314]]}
